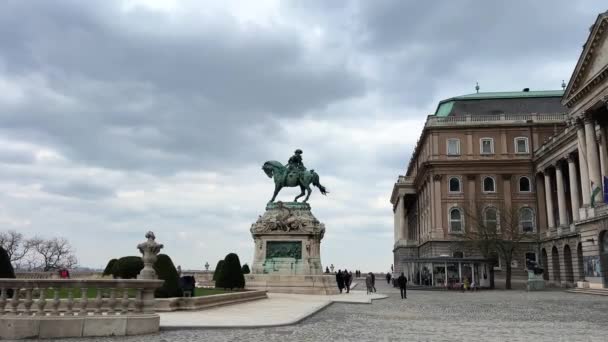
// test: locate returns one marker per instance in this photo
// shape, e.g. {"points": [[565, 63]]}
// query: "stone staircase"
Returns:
{"points": [[589, 291]]}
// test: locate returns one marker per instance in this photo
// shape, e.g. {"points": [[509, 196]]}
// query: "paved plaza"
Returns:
{"points": [[429, 316]]}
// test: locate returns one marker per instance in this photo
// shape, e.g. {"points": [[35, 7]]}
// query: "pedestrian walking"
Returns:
{"points": [[368, 283], [402, 281], [388, 278], [373, 281], [348, 277], [340, 280]]}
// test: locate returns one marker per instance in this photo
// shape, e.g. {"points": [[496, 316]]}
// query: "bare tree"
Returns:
{"points": [[498, 229], [15, 245], [52, 254]]}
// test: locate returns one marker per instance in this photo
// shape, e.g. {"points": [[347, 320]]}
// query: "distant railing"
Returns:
{"points": [[72, 297], [506, 118]]}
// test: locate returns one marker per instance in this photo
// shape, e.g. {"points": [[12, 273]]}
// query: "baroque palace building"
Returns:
{"points": [[541, 155]]}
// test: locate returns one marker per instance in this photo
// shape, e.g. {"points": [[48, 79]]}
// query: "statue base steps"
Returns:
{"points": [[293, 284]]}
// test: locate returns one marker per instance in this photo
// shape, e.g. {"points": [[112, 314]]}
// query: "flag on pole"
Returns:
{"points": [[595, 189]]}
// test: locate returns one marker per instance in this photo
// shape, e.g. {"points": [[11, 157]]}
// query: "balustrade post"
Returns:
{"points": [[70, 303], [112, 301], [3, 292], [125, 301], [56, 302], [27, 304], [139, 301], [84, 301], [148, 301], [41, 302], [15, 301], [98, 302]]}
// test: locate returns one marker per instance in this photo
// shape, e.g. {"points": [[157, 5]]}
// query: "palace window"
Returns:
{"points": [[490, 219], [489, 185], [486, 145], [453, 147], [524, 184], [526, 220], [521, 145], [454, 184], [456, 220]]}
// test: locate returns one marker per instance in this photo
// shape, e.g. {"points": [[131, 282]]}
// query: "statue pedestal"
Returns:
{"points": [[287, 251], [535, 281]]}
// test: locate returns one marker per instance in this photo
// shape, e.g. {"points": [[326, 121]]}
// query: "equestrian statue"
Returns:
{"points": [[291, 175]]}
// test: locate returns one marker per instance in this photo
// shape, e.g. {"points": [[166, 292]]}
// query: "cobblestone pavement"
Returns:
{"points": [[432, 316]]}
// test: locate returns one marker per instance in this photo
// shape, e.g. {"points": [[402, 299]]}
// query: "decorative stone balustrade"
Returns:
{"points": [[463, 120], [35, 307], [112, 296]]}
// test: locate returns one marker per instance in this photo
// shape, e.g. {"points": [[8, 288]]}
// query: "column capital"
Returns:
{"points": [[437, 177], [570, 157], [506, 176], [587, 117], [471, 177]]}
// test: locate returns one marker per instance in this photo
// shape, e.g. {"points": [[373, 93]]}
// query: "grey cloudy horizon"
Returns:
{"points": [[118, 117]]}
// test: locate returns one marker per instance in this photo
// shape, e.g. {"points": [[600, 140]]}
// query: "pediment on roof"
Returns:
{"points": [[592, 65]]}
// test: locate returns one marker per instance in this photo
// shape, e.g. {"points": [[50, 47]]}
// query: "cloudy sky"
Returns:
{"points": [[118, 117]]}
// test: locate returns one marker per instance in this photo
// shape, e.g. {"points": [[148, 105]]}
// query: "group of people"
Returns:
{"points": [[344, 279]]}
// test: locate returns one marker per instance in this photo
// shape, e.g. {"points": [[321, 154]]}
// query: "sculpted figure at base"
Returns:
{"points": [[292, 175]]}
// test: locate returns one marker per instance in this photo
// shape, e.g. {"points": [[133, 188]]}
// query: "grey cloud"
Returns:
{"points": [[80, 190], [204, 94]]}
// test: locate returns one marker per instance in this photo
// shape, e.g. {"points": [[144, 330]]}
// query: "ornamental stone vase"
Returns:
{"points": [[149, 250]]}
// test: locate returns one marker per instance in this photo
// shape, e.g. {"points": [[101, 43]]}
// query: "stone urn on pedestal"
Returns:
{"points": [[149, 250]]}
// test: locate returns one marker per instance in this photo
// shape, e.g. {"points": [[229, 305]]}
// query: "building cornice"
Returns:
{"points": [[575, 90]]}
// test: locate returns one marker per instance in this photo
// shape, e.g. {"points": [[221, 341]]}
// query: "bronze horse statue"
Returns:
{"points": [[282, 178]]}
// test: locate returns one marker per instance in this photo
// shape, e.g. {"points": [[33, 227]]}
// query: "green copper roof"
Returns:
{"points": [[445, 107]]}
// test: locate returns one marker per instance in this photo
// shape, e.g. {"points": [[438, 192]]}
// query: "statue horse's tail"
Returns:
{"points": [[315, 182]]}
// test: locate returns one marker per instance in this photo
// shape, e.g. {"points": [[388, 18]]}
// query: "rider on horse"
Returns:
{"points": [[295, 164]]}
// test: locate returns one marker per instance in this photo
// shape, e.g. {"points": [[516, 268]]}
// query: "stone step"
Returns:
{"points": [[597, 292]]}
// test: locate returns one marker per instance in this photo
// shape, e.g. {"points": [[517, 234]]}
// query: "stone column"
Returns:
{"points": [[573, 187], [561, 196], [593, 160], [582, 162], [603, 152], [542, 202], [548, 199]]}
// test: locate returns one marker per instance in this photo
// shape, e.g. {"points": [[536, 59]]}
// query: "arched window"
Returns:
{"points": [[490, 218], [456, 220], [454, 184], [489, 185], [524, 184], [458, 254], [526, 220]]}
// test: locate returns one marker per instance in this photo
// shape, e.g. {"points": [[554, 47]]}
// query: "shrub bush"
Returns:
{"points": [[109, 270], [218, 270], [6, 269], [166, 271], [231, 276], [128, 267], [246, 269]]}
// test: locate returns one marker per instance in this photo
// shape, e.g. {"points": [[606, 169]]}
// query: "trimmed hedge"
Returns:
{"points": [[231, 276], [165, 270], [245, 269], [109, 270], [218, 270], [127, 267], [6, 269]]}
